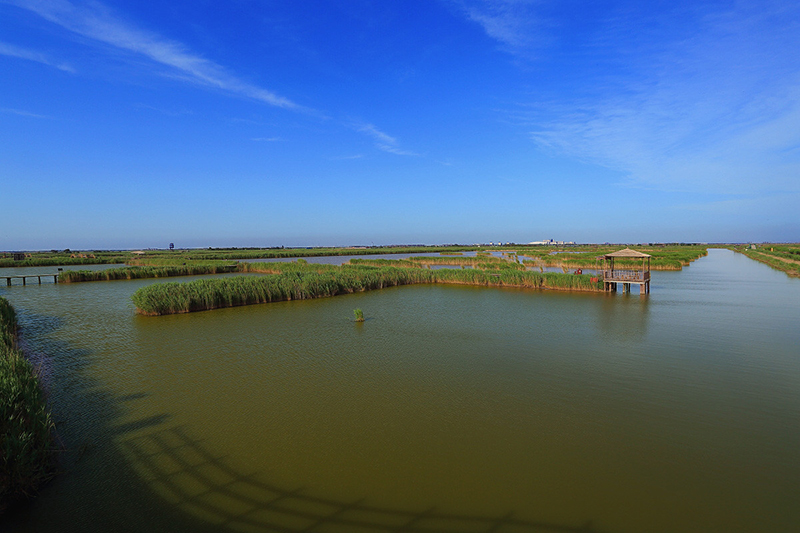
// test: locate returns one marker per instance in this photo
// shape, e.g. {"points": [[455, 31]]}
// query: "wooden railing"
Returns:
{"points": [[625, 275]]}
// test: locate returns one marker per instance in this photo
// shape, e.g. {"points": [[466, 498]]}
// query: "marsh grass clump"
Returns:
{"points": [[26, 425], [297, 283], [293, 281], [359, 315]]}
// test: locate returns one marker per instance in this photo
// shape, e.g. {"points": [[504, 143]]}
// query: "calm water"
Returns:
{"points": [[450, 409]]}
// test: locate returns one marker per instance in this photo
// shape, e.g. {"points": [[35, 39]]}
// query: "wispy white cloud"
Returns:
{"points": [[718, 112], [513, 23], [22, 113], [31, 55], [95, 21], [378, 135], [383, 141], [266, 139]]}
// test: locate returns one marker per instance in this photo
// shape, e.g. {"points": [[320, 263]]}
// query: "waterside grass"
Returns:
{"points": [[783, 257], [307, 282], [26, 425], [139, 272]]}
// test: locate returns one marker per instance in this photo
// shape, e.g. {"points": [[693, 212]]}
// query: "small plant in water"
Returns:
{"points": [[359, 314]]}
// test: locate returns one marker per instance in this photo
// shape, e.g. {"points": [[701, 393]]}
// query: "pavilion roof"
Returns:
{"points": [[627, 252]]}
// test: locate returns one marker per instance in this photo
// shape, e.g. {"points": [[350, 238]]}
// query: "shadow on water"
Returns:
{"points": [[142, 475], [192, 479], [95, 489]]}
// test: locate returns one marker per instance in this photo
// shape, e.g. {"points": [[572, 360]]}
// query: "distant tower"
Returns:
{"points": [[172, 246]]}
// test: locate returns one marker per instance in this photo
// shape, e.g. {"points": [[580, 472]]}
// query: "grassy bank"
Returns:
{"points": [[307, 282], [25, 422], [783, 257]]}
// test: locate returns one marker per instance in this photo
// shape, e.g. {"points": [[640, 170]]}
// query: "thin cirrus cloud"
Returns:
{"points": [[97, 22], [513, 23], [383, 141], [11, 50], [22, 113], [714, 109]]}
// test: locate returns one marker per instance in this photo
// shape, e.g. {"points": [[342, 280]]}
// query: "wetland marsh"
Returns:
{"points": [[450, 408]]}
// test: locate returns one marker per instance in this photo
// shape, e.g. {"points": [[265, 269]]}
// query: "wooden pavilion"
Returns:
{"points": [[628, 274]]}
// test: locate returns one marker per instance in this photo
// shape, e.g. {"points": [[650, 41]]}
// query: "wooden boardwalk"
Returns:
{"points": [[24, 278]]}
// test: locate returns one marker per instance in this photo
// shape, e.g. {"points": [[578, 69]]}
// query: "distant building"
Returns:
{"points": [[550, 242]]}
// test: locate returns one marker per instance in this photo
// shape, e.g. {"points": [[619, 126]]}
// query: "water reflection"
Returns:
{"points": [[625, 316]]}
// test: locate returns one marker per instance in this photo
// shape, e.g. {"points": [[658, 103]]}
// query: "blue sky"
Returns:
{"points": [[127, 124]]}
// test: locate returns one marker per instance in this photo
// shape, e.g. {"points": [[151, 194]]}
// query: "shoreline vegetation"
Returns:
{"points": [[551, 254], [140, 272], [783, 257], [26, 425], [66, 257], [167, 264], [302, 282]]}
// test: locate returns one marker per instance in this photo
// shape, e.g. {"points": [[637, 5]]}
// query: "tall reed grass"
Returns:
{"points": [[26, 425], [305, 283], [139, 272]]}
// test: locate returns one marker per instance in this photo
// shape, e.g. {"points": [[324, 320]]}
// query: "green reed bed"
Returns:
{"points": [[60, 261], [169, 298], [140, 272], [277, 253], [26, 425], [481, 263], [307, 283], [662, 258], [404, 263]]}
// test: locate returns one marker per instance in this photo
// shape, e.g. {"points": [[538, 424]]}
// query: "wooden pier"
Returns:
{"points": [[24, 278]]}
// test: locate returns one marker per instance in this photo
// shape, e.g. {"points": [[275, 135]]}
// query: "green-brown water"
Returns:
{"points": [[450, 409]]}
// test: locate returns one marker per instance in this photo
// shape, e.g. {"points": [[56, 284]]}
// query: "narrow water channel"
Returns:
{"points": [[450, 409]]}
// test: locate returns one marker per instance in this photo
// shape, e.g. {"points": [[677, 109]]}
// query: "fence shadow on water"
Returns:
{"points": [[187, 476], [143, 474]]}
